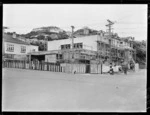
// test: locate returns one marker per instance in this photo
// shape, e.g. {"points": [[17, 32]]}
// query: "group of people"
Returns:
{"points": [[124, 67]]}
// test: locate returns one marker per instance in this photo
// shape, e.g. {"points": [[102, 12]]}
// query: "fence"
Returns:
{"points": [[73, 68], [45, 66], [64, 67], [31, 65]]}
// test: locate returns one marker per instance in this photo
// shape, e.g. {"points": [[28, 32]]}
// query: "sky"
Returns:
{"points": [[130, 19]]}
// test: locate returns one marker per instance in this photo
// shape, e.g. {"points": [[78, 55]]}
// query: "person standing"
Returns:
{"points": [[111, 71], [125, 67]]}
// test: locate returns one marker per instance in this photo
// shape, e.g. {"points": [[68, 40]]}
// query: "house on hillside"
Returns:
{"points": [[15, 49]]}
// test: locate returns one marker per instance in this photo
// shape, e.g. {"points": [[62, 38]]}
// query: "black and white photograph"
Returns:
{"points": [[74, 57]]}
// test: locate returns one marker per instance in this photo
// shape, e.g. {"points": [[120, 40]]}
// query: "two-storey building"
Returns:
{"points": [[14, 48]]}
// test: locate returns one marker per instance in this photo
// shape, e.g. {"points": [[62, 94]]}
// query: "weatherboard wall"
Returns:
{"points": [[17, 48]]}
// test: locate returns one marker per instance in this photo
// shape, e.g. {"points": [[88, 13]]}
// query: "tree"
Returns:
{"points": [[140, 52], [41, 37], [41, 47]]}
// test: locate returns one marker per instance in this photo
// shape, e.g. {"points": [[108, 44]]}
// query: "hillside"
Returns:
{"points": [[141, 52], [85, 32], [55, 33], [48, 33]]}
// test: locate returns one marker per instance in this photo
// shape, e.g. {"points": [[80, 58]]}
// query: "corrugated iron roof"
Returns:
{"points": [[9, 38]]}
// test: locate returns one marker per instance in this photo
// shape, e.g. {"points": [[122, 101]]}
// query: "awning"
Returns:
{"points": [[45, 52]]}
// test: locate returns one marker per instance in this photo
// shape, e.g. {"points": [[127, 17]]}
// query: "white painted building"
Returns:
{"points": [[87, 42], [16, 49]]}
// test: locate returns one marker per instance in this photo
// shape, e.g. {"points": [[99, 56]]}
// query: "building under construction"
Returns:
{"points": [[105, 48]]}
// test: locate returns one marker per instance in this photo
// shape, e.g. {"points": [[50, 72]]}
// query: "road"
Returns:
{"points": [[31, 90]]}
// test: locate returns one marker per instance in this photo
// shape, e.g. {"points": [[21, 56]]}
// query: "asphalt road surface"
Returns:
{"points": [[31, 90]]}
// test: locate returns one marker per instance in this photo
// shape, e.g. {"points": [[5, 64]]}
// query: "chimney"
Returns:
{"points": [[86, 31], [14, 35], [4, 28]]}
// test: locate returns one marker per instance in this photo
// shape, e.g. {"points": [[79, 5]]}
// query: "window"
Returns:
{"points": [[66, 46], [109, 42], [60, 56], [78, 45], [10, 47], [75, 46], [62, 46], [23, 49]]}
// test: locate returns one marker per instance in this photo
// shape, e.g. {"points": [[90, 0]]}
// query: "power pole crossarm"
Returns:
{"points": [[109, 25]]}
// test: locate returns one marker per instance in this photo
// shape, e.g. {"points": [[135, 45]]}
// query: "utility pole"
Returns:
{"points": [[109, 25], [72, 36], [72, 46]]}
